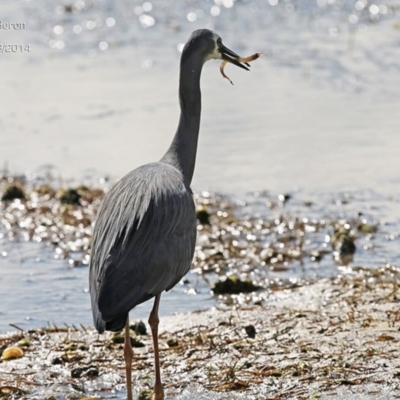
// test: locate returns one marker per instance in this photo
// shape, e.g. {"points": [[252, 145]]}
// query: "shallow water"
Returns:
{"points": [[318, 112], [39, 288]]}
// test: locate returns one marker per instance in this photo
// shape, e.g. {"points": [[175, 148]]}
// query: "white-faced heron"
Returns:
{"points": [[145, 232]]}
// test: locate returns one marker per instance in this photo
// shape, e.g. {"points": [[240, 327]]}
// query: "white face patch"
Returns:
{"points": [[215, 55]]}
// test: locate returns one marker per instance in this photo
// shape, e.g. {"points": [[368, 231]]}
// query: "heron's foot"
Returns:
{"points": [[158, 393]]}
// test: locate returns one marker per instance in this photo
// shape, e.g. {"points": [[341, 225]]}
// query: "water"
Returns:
{"points": [[96, 94], [38, 290]]}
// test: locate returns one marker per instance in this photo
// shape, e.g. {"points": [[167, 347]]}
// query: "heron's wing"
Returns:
{"points": [[144, 239]]}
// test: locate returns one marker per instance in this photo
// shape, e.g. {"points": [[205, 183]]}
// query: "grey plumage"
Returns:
{"points": [[145, 233], [145, 236]]}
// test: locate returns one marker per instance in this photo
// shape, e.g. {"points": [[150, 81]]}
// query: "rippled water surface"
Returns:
{"points": [[96, 95]]}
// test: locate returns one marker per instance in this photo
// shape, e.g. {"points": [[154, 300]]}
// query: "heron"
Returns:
{"points": [[145, 232]]}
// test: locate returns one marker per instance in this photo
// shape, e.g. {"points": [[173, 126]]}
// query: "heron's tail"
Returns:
{"points": [[116, 324]]}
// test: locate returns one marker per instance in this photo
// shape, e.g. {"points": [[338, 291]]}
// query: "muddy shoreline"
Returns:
{"points": [[308, 342]]}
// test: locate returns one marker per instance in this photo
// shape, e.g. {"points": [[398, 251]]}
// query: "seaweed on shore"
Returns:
{"points": [[254, 242], [315, 340]]}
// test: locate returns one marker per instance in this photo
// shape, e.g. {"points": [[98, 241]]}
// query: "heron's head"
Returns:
{"points": [[207, 45]]}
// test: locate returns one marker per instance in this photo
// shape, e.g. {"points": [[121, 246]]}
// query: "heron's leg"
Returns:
{"points": [[128, 354], [158, 393]]}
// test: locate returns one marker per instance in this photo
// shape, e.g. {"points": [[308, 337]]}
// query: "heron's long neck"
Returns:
{"points": [[182, 151]]}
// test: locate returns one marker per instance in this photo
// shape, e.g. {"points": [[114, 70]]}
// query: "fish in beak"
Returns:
{"points": [[228, 56], [233, 58]]}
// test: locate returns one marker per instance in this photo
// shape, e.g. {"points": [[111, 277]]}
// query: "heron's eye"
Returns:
{"points": [[219, 41]]}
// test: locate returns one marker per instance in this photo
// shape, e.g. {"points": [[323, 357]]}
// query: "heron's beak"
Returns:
{"points": [[230, 56]]}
